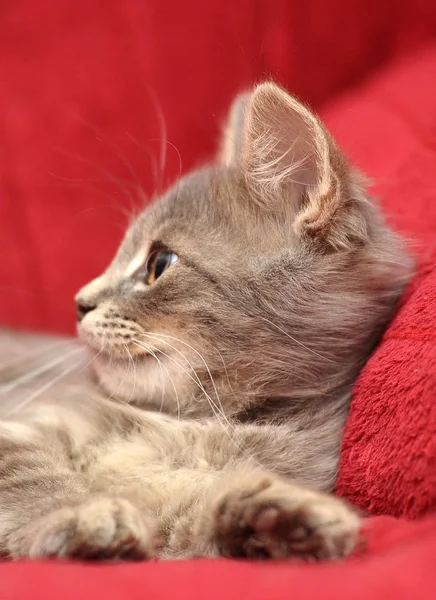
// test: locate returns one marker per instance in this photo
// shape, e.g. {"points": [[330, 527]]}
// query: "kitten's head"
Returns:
{"points": [[266, 276]]}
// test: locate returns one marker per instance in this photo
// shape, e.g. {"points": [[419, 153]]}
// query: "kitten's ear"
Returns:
{"points": [[289, 160]]}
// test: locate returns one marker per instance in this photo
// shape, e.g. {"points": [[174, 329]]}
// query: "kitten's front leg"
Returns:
{"points": [[47, 510], [102, 527], [261, 516]]}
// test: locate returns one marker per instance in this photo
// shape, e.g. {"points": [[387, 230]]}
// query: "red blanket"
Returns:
{"points": [[400, 565], [78, 111], [389, 449]]}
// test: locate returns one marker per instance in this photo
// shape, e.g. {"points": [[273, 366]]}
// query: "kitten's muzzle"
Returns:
{"points": [[83, 308]]}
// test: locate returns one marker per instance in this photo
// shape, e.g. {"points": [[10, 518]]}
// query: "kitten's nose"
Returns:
{"points": [[83, 308]]}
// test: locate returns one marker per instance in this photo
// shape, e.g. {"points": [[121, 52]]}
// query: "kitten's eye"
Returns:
{"points": [[158, 261]]}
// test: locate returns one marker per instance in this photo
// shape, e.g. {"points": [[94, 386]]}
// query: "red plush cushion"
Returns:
{"points": [[389, 449]]}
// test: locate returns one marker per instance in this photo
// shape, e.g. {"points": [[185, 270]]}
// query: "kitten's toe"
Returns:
{"points": [[102, 528], [271, 519]]}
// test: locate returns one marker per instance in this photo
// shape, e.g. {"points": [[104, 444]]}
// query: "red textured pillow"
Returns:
{"points": [[389, 447]]}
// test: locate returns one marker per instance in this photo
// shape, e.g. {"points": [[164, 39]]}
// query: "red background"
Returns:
{"points": [[84, 87]]}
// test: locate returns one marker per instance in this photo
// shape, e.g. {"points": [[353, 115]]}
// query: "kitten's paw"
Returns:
{"points": [[264, 517], [102, 528]]}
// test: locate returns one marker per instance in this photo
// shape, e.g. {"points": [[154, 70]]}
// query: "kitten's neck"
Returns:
{"points": [[308, 411]]}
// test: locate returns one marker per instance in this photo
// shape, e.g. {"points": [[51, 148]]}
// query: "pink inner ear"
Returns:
{"points": [[294, 168], [283, 142]]}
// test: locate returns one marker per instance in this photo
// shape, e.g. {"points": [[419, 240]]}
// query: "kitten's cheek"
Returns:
{"points": [[95, 339], [85, 334]]}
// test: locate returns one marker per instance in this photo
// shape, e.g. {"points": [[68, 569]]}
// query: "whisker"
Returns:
{"points": [[132, 362], [151, 351], [296, 341], [85, 185], [178, 352], [225, 369], [113, 395], [121, 185], [164, 383], [157, 179], [88, 364], [163, 134], [41, 390], [219, 412], [113, 149], [196, 381], [40, 371], [201, 358], [14, 363]]}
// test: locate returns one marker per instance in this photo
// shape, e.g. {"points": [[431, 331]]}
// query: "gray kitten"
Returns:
{"points": [[236, 316]]}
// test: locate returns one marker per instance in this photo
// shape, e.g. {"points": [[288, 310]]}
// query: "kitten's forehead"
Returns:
{"points": [[197, 197], [196, 207]]}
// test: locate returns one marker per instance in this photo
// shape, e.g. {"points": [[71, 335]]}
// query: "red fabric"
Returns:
{"points": [[389, 449], [401, 566], [83, 88]]}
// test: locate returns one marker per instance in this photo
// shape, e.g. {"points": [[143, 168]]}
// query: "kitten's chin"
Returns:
{"points": [[148, 382], [139, 381]]}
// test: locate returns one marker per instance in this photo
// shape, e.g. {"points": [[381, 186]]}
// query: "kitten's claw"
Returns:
{"points": [[267, 518], [102, 528]]}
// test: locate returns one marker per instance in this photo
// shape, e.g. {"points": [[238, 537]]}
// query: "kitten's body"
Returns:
{"points": [[175, 473], [245, 350]]}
